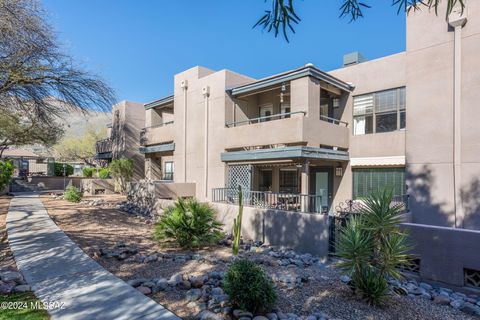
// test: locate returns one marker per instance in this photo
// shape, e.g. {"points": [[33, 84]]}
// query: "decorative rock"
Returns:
{"points": [[216, 291], [184, 285], [162, 284], [22, 288], [425, 286], [272, 316], [175, 279], [242, 314], [345, 279], [470, 309], [11, 276], [194, 294], [149, 284], [456, 304], [144, 290], [5, 288], [311, 318], [197, 282], [208, 315], [136, 282]]}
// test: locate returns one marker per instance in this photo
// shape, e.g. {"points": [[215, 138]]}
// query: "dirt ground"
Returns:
{"points": [[6, 258], [93, 228]]}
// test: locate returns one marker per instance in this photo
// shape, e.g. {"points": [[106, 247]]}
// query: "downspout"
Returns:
{"points": [[457, 20], [184, 86], [206, 94]]}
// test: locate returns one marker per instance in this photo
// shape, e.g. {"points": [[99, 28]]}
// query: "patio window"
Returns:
{"points": [[288, 180], [169, 168], [266, 111], [372, 180], [377, 112], [265, 180], [285, 108]]}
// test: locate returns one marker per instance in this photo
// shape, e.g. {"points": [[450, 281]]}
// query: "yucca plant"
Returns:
{"points": [[190, 223], [372, 247], [237, 224]]}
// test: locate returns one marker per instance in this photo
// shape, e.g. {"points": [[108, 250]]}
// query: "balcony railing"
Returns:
{"points": [[270, 200], [104, 146], [263, 119], [334, 121], [144, 131]]}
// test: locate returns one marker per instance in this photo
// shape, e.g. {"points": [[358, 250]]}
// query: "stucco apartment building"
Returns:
{"points": [[306, 141], [128, 119]]}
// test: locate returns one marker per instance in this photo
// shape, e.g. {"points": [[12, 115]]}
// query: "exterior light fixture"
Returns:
{"points": [[339, 171]]}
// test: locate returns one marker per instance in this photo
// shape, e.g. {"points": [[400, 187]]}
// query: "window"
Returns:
{"points": [[285, 108], [265, 180], [266, 111], [288, 180], [382, 111], [372, 180], [168, 170]]}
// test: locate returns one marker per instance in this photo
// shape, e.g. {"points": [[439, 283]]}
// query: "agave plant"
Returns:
{"points": [[372, 247], [189, 223], [237, 224]]}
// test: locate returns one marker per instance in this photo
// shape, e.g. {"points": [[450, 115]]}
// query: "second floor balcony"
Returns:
{"points": [[104, 146], [157, 134], [287, 128]]}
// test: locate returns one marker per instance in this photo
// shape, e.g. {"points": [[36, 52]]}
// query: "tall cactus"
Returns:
{"points": [[237, 224]]}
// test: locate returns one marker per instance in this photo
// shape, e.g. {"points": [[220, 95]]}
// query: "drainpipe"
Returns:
{"points": [[457, 20], [184, 86], [206, 94]]}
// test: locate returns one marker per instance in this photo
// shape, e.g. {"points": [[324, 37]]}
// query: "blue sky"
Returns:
{"points": [[138, 45]]}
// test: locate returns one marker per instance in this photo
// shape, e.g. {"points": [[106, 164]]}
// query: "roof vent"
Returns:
{"points": [[353, 58], [309, 64]]}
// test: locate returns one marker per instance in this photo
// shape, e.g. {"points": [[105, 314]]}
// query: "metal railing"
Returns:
{"points": [[143, 132], [104, 145], [270, 200], [263, 119], [333, 120]]}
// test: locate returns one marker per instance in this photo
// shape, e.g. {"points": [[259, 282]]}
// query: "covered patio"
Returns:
{"points": [[290, 178]]}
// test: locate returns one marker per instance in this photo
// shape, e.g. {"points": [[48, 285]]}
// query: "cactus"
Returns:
{"points": [[237, 224]]}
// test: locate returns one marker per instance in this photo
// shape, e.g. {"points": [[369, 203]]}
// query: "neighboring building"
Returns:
{"points": [[123, 132], [28, 163], [307, 141]]}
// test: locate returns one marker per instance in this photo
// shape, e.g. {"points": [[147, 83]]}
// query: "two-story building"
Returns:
{"points": [[306, 140], [128, 119]]}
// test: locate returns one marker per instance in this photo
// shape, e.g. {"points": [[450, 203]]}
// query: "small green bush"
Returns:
{"points": [[249, 287], [72, 194], [189, 223], [104, 173], [88, 172], [58, 167], [6, 173], [121, 171]]}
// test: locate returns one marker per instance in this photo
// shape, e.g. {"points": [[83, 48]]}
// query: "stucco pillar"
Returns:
{"points": [[457, 20], [305, 96], [304, 186], [275, 179]]}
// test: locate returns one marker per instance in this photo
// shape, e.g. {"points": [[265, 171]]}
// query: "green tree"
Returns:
{"points": [[121, 171], [18, 129], [282, 16], [37, 79], [80, 148], [372, 247]]}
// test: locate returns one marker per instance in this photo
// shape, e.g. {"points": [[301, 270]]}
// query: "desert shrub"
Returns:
{"points": [[248, 287], [58, 169], [372, 247], [121, 171], [188, 223], [88, 172], [104, 173], [6, 173], [72, 194]]}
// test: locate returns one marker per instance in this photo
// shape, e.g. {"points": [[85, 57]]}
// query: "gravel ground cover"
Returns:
{"points": [[189, 282]]}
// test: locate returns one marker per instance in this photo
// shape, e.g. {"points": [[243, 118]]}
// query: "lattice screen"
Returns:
{"points": [[239, 175]]}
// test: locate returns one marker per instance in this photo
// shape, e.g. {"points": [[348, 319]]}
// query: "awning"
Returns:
{"points": [[295, 152], [378, 161], [158, 148]]}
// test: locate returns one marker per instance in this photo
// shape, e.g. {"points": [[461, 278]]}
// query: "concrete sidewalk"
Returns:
{"points": [[60, 272]]}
